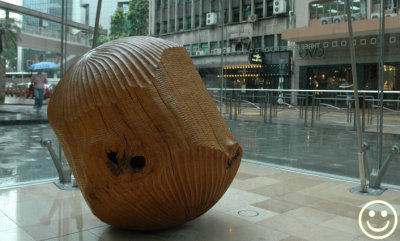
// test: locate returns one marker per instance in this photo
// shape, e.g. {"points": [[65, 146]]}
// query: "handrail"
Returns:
{"points": [[304, 90]]}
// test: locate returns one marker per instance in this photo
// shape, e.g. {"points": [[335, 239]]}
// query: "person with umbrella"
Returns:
{"points": [[39, 81]]}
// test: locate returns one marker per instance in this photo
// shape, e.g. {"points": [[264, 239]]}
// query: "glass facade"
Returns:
{"points": [[279, 71], [314, 123]]}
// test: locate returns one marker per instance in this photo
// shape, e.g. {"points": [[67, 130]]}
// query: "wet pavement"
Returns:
{"points": [[19, 110], [329, 149], [320, 149], [22, 158]]}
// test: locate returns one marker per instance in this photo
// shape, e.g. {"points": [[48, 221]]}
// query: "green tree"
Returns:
{"points": [[138, 17], [119, 27], [9, 36], [101, 36], [10, 56]]}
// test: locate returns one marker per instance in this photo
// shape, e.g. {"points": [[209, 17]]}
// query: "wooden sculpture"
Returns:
{"points": [[145, 141]]}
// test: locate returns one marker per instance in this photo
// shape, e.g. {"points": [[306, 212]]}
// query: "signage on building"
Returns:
{"points": [[256, 58]]}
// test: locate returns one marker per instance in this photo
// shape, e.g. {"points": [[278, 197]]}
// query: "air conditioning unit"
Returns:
{"points": [[279, 6], [339, 19], [217, 51], [355, 17], [390, 15], [211, 19], [227, 50], [375, 15], [200, 52], [252, 18], [326, 20]]}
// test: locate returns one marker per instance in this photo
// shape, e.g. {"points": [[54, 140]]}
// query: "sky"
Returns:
{"points": [[12, 15]]}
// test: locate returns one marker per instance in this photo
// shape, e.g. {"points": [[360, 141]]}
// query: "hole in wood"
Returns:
{"points": [[112, 156], [137, 163]]}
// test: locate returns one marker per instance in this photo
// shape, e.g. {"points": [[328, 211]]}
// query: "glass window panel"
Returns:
{"points": [[259, 9], [165, 24], [270, 8], [195, 48], [236, 15], [246, 11], [180, 24], [204, 47], [269, 42], [188, 22], [196, 21], [172, 25], [256, 42]]}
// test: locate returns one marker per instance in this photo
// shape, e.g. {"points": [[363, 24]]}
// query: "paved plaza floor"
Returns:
{"points": [[262, 204]]}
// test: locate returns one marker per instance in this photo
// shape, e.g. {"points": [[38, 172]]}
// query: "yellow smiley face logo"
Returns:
{"points": [[378, 224]]}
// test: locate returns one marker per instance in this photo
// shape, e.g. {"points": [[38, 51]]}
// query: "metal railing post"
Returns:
{"points": [[271, 99], [312, 109], [306, 110], [230, 105], [363, 114]]}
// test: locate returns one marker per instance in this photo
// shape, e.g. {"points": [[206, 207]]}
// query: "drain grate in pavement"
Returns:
{"points": [[248, 213]]}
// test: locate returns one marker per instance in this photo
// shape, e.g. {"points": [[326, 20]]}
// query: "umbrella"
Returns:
{"points": [[346, 85], [42, 65]]}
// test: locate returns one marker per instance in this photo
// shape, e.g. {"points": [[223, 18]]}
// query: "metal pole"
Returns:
{"points": [[61, 58], [62, 40], [222, 17], [363, 113], [312, 109], [356, 99], [96, 25], [65, 33], [381, 81], [271, 99], [306, 110]]}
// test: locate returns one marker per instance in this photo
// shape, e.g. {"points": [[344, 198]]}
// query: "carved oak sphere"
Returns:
{"points": [[145, 141]]}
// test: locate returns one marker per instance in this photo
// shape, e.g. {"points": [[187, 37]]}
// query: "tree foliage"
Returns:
{"points": [[101, 36], [138, 17], [119, 27], [9, 37]]}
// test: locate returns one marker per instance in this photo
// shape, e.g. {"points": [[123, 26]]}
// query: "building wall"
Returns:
{"points": [[333, 39], [234, 33]]}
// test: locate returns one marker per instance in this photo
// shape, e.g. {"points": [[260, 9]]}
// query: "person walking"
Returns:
{"points": [[38, 81]]}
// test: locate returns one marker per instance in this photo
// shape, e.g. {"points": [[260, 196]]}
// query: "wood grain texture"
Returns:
{"points": [[144, 139]]}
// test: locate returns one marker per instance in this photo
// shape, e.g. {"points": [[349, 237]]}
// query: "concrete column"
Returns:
{"points": [[369, 8], [176, 16], [240, 10], [184, 15], [264, 8], [193, 13], [161, 17], [201, 14], [152, 18], [230, 14], [168, 16]]}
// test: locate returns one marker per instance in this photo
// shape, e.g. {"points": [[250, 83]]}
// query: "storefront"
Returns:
{"points": [[264, 70]]}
